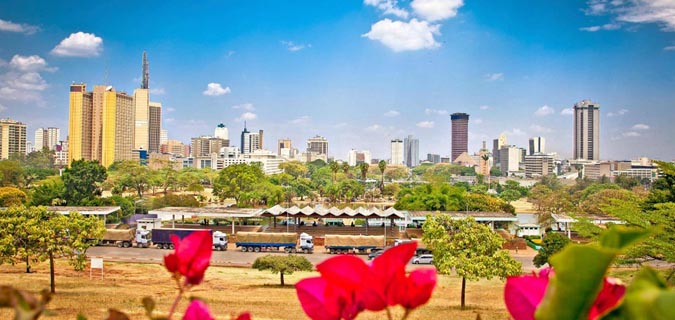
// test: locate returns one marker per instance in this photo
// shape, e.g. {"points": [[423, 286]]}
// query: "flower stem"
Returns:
{"points": [[177, 300], [406, 314]]}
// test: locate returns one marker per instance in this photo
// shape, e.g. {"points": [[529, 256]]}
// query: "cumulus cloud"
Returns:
{"points": [[293, 47], [436, 112], [631, 134], [392, 113], [247, 116], [494, 76], [434, 10], [669, 48], [660, 12], [540, 129], [404, 36], [301, 120], [28, 81], [618, 113], [79, 44], [567, 112], [544, 111], [484, 107], [640, 126], [29, 64], [157, 91], [425, 124], [388, 7], [10, 26], [216, 89], [244, 106], [607, 26]]}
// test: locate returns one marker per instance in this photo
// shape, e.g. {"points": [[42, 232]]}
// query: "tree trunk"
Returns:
{"points": [[27, 264], [463, 292], [282, 278], [51, 272]]}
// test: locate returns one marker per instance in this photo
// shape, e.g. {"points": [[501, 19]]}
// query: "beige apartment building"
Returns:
{"points": [[12, 138]]}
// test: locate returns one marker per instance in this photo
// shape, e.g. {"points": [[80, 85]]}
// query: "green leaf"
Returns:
{"points": [[579, 273], [620, 237], [648, 297]]}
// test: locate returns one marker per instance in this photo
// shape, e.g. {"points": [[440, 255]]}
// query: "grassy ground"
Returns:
{"points": [[226, 290]]}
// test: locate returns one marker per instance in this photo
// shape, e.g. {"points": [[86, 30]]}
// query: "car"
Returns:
{"points": [[423, 259], [375, 253]]}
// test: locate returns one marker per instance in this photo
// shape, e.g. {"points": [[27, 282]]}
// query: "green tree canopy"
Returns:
{"points": [[282, 264], [11, 174], [294, 168], [48, 192], [468, 247], [553, 242], [10, 196], [237, 179], [428, 197], [82, 181]]}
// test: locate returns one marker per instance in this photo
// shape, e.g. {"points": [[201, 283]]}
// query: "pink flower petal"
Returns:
{"points": [[197, 310], [312, 295], [345, 271], [609, 298], [523, 294]]}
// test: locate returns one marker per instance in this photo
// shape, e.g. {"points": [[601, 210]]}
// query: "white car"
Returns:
{"points": [[424, 259]]}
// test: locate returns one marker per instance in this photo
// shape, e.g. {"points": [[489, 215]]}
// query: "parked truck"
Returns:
{"points": [[352, 244], [125, 238], [161, 237], [268, 241]]}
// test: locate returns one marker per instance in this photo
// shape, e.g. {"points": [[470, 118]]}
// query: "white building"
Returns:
{"points": [[355, 157], [163, 136], [537, 165], [222, 132], [48, 138], [537, 145], [509, 157], [397, 152]]}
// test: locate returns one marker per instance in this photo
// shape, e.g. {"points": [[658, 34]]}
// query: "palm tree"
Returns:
{"points": [[334, 166], [345, 168], [364, 170], [383, 166]]}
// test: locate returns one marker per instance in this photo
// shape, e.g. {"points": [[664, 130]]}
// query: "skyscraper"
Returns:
{"points": [[222, 132], [411, 150], [117, 138], [284, 144], [396, 152], [497, 145], [154, 126], [251, 141], [587, 130], [317, 145], [163, 136], [47, 138], [142, 119], [537, 145], [12, 138], [460, 134], [79, 123]]}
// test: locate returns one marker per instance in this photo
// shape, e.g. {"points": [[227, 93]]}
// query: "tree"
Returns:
{"points": [[345, 169], [382, 165], [134, 176], [237, 179], [443, 197], [48, 192], [11, 174], [82, 181], [553, 242], [363, 167], [335, 167], [10, 196], [471, 248], [510, 195], [294, 168], [282, 264]]}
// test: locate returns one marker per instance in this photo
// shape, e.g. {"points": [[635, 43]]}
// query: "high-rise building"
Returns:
{"points": [[12, 138], [485, 161], [154, 126], [284, 144], [146, 72], [317, 145], [29, 147], [117, 134], [355, 157], [47, 138], [497, 145], [411, 151], [142, 119], [460, 134], [175, 148], [222, 132], [539, 164], [587, 130], [206, 146], [396, 152], [80, 123], [537, 145], [509, 159], [434, 158], [251, 141], [163, 136]]}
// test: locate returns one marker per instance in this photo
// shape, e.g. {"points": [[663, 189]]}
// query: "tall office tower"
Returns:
{"points": [[96, 123], [221, 132], [355, 157], [80, 123], [163, 136], [154, 126], [142, 119], [29, 147], [434, 158], [460, 134], [205, 146], [497, 145], [244, 144], [537, 145], [12, 138], [317, 145], [251, 141], [47, 138], [146, 72], [285, 144], [587, 130], [396, 152], [39, 139], [411, 150], [510, 159], [117, 134]]}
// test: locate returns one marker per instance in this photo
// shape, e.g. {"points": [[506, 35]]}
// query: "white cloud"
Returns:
{"points": [[301, 120], [388, 7], [79, 44], [433, 10], [215, 89], [293, 47], [29, 63], [477, 120], [392, 113], [618, 113], [540, 129], [494, 76], [244, 106], [544, 111], [436, 112], [31, 81], [607, 26], [484, 107], [669, 48], [404, 36], [230, 53], [157, 91], [515, 132], [247, 116], [567, 112], [374, 128], [10, 26], [425, 124], [631, 134], [640, 126], [661, 12]]}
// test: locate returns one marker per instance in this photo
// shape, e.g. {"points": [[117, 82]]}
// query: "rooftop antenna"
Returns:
{"points": [[146, 72]]}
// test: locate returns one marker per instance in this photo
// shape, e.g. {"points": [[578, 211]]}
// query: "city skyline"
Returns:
{"points": [[297, 70]]}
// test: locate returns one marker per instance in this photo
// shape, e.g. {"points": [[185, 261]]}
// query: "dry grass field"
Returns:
{"points": [[226, 290]]}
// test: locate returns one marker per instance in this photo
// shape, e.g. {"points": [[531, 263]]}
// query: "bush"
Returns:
{"points": [[283, 264]]}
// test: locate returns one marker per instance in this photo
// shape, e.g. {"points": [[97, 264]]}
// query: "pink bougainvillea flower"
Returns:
{"points": [[197, 310], [191, 256], [417, 288], [387, 282], [523, 294], [322, 300], [244, 316]]}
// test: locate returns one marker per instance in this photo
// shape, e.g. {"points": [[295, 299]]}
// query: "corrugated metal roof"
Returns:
{"points": [[335, 212]]}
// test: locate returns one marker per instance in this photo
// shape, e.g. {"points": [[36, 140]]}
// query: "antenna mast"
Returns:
{"points": [[146, 72]]}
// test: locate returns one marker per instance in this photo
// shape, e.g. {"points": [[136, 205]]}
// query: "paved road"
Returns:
{"points": [[234, 257]]}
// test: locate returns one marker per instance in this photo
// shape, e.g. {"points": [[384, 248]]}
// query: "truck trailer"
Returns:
{"points": [[162, 237], [268, 241], [125, 238], [352, 244]]}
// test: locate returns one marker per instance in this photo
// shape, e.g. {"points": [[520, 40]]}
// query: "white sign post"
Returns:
{"points": [[96, 263]]}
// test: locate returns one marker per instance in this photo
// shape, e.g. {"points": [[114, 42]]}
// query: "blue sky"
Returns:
{"points": [[358, 72]]}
